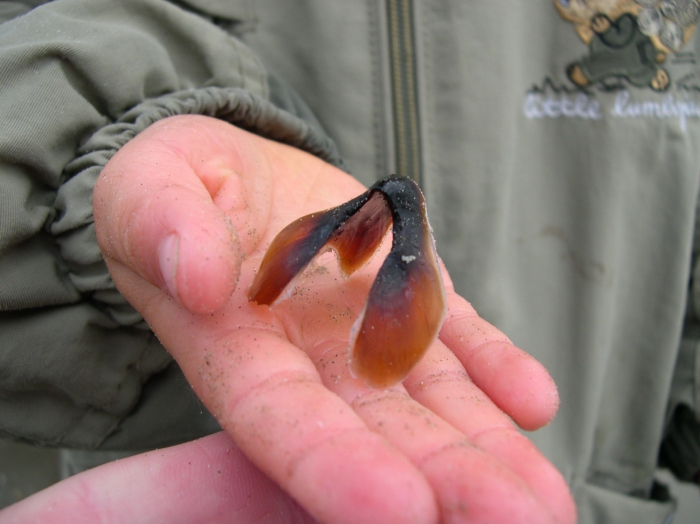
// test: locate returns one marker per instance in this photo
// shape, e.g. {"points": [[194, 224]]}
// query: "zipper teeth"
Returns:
{"points": [[404, 91]]}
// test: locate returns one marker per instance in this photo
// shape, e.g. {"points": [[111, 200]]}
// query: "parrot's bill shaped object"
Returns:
{"points": [[406, 303]]}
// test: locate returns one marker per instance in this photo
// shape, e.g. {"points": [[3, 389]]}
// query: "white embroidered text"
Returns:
{"points": [[580, 105], [669, 107]]}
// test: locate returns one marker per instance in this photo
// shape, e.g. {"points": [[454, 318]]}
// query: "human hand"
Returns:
{"points": [[208, 480], [184, 213]]}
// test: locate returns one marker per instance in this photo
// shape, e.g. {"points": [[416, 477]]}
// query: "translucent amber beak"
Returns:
{"points": [[406, 303]]}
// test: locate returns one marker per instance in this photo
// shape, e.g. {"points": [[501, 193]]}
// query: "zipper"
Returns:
{"points": [[404, 88]]}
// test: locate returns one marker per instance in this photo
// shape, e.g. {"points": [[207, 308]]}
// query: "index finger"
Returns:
{"points": [[267, 394]]}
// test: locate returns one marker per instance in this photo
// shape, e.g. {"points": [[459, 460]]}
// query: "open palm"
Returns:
{"points": [[184, 214]]}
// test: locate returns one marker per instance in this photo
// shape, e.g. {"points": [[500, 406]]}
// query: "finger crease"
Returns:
{"points": [[442, 377], [278, 380], [508, 429], [435, 453], [294, 463], [372, 397]]}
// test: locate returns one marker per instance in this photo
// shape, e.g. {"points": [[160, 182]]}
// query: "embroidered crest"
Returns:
{"points": [[638, 63], [628, 40]]}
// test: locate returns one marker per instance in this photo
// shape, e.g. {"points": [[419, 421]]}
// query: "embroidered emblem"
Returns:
{"points": [[628, 40], [638, 63]]}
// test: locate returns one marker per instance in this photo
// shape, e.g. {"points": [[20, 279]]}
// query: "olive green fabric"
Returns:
{"points": [[80, 79], [567, 216]]}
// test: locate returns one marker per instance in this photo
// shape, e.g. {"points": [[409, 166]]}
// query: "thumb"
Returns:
{"points": [[155, 217]]}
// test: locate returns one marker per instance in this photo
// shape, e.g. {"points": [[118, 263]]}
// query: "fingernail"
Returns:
{"points": [[168, 258]]}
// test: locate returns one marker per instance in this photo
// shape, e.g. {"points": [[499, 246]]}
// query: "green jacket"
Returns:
{"points": [[564, 205]]}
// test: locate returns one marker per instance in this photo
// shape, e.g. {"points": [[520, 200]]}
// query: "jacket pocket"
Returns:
{"points": [[598, 505]]}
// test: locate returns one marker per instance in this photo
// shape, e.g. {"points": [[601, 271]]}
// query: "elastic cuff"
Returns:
{"points": [[73, 227]]}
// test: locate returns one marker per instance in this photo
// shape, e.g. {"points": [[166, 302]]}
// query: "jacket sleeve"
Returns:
{"points": [[680, 448], [79, 79]]}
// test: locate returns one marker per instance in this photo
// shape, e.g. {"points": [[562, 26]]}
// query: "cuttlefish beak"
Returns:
{"points": [[406, 303]]}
